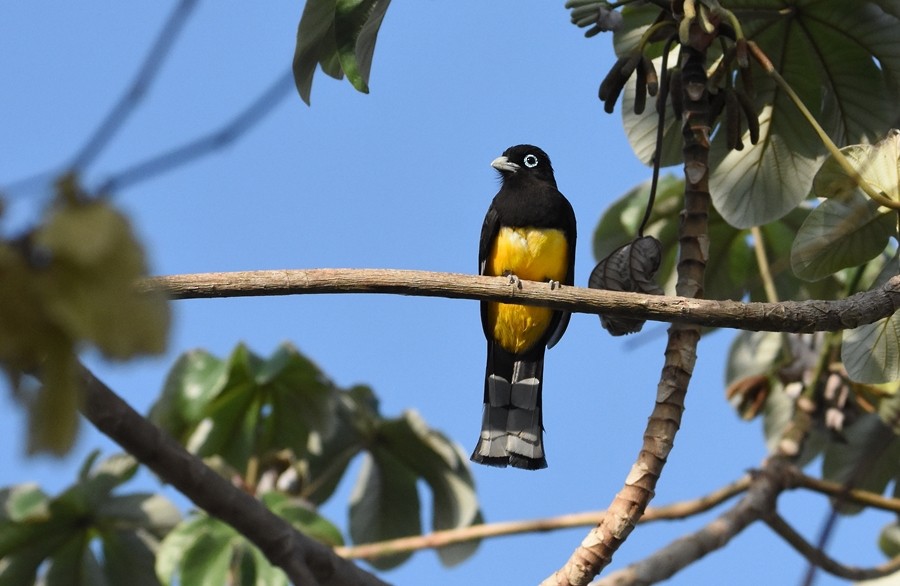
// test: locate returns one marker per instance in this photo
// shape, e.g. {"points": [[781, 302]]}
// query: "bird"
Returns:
{"points": [[528, 233]]}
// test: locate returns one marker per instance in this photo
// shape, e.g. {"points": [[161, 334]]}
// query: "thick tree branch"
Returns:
{"points": [[680, 510], [304, 560], [789, 316], [664, 563]]}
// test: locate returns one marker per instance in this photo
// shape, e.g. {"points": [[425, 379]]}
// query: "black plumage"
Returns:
{"points": [[529, 232]]}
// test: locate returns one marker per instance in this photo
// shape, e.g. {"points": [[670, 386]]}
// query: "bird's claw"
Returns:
{"points": [[514, 280], [554, 285]]}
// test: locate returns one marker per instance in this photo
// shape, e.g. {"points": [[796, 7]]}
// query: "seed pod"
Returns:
{"points": [[661, 97], [716, 105], [612, 79], [747, 80], [732, 121], [640, 88], [750, 115], [649, 71], [615, 80]]}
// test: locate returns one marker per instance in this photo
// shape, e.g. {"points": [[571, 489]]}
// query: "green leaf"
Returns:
{"points": [[58, 534], [868, 458], [24, 503], [825, 51], [641, 129], [356, 24], [889, 539], [74, 564], [129, 558], [207, 562], [384, 505], [299, 514], [172, 549], [194, 380], [444, 467], [246, 406], [88, 288], [339, 36], [849, 228], [315, 43], [732, 271], [871, 353]]}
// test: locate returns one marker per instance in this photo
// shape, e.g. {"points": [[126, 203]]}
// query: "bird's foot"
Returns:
{"points": [[514, 280], [554, 285]]}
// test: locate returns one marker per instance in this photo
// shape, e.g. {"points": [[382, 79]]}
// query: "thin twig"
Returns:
{"points": [[139, 86], [840, 491], [788, 316], [206, 144], [680, 510], [822, 560]]}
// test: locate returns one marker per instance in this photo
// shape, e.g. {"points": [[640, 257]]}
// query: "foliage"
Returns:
{"points": [[69, 283], [279, 422], [338, 36], [57, 536]]}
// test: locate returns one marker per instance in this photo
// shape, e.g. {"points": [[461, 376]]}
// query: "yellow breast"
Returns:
{"points": [[533, 254]]}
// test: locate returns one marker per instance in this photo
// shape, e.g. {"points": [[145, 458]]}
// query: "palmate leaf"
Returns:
{"points": [[339, 36], [840, 57], [871, 353], [732, 272], [283, 409], [827, 52], [55, 536], [245, 406], [849, 228]]}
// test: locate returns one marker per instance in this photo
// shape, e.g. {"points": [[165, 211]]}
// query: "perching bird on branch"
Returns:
{"points": [[528, 233]]}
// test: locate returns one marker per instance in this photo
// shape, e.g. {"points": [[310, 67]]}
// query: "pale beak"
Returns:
{"points": [[504, 165]]}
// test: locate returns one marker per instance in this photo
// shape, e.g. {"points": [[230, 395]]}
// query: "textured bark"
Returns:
{"points": [[597, 549], [789, 316], [304, 560]]}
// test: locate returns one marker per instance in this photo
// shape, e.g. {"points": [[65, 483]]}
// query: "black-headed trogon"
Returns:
{"points": [[528, 233]]}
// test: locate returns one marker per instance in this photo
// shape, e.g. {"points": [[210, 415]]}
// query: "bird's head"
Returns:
{"points": [[524, 161]]}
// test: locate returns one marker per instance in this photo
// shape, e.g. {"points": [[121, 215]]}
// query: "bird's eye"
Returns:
{"points": [[530, 161]]}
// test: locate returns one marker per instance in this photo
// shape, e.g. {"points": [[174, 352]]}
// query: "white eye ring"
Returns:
{"points": [[530, 161]]}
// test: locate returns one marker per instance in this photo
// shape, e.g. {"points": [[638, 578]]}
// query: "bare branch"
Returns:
{"points": [[303, 559], [226, 134], [132, 97], [680, 510], [664, 563], [788, 316], [821, 559], [845, 494]]}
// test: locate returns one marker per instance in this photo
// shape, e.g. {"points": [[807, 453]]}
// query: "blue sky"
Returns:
{"points": [[400, 178]]}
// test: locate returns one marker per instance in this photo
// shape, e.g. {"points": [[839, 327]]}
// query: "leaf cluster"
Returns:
{"points": [[281, 429], [67, 284]]}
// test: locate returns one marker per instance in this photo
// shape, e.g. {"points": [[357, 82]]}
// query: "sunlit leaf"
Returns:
{"points": [[889, 539], [849, 228], [207, 562], [304, 518], [245, 405], [871, 353], [825, 51], [57, 541], [23, 502]]}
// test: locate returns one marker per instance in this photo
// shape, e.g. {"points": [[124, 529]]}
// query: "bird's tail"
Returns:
{"points": [[511, 426]]}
